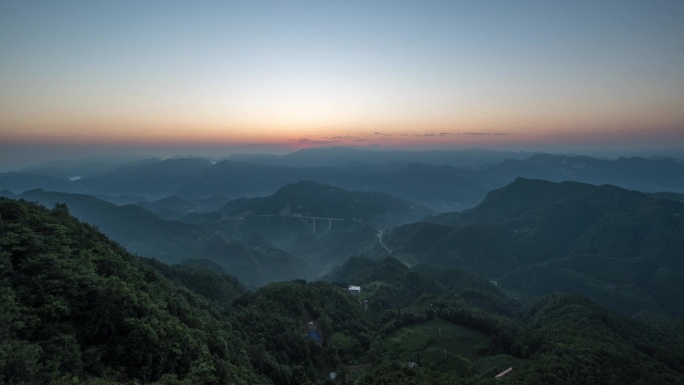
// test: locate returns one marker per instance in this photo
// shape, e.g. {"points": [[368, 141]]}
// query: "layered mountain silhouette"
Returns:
{"points": [[320, 223], [137, 229], [615, 245], [259, 240], [619, 247], [441, 180], [314, 199], [78, 308], [635, 173], [342, 156], [172, 241]]}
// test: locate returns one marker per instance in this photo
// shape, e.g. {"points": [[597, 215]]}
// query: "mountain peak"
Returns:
{"points": [[314, 199]]}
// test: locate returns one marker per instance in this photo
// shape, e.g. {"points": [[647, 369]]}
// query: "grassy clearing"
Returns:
{"points": [[342, 340], [440, 343], [407, 341], [493, 365]]}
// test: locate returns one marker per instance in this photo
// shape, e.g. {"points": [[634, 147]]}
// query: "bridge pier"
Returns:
{"points": [[313, 221]]}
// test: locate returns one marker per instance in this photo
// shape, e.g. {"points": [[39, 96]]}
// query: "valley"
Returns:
{"points": [[445, 296]]}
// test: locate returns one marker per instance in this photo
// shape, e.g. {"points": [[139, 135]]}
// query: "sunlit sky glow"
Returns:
{"points": [[282, 75]]}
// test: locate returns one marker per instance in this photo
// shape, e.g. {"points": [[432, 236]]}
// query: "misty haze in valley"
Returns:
{"points": [[532, 222], [502, 234]]}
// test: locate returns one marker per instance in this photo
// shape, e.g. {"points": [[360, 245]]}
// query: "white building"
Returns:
{"points": [[355, 289]]}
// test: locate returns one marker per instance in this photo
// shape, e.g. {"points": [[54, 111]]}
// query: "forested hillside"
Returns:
{"points": [[314, 199], [173, 241], [260, 240], [76, 308], [619, 247]]}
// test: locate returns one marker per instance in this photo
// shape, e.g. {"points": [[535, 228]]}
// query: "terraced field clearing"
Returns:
{"points": [[446, 345]]}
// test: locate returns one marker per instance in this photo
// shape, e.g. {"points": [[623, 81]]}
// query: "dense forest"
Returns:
{"points": [[618, 247], [77, 308]]}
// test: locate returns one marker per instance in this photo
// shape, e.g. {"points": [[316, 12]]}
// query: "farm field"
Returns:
{"points": [[448, 347]]}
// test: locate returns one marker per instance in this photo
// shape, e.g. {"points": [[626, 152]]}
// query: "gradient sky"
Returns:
{"points": [[280, 75]]}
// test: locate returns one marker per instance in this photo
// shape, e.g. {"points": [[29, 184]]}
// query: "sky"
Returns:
{"points": [[79, 78]]}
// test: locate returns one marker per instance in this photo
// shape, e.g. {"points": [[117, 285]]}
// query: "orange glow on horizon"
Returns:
{"points": [[505, 127], [483, 137]]}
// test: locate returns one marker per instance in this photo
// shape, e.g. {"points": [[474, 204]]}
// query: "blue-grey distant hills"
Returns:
{"points": [[18, 182], [72, 169], [341, 156], [320, 223], [621, 248], [259, 240], [171, 241], [135, 228], [635, 173], [441, 181], [314, 199]]}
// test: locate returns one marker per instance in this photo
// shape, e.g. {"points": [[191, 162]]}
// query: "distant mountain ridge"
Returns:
{"points": [[134, 227], [254, 250], [322, 224], [173, 241], [442, 181], [340, 156], [619, 247], [314, 199], [636, 173]]}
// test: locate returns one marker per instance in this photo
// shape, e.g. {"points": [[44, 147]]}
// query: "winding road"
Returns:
{"points": [[382, 244]]}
